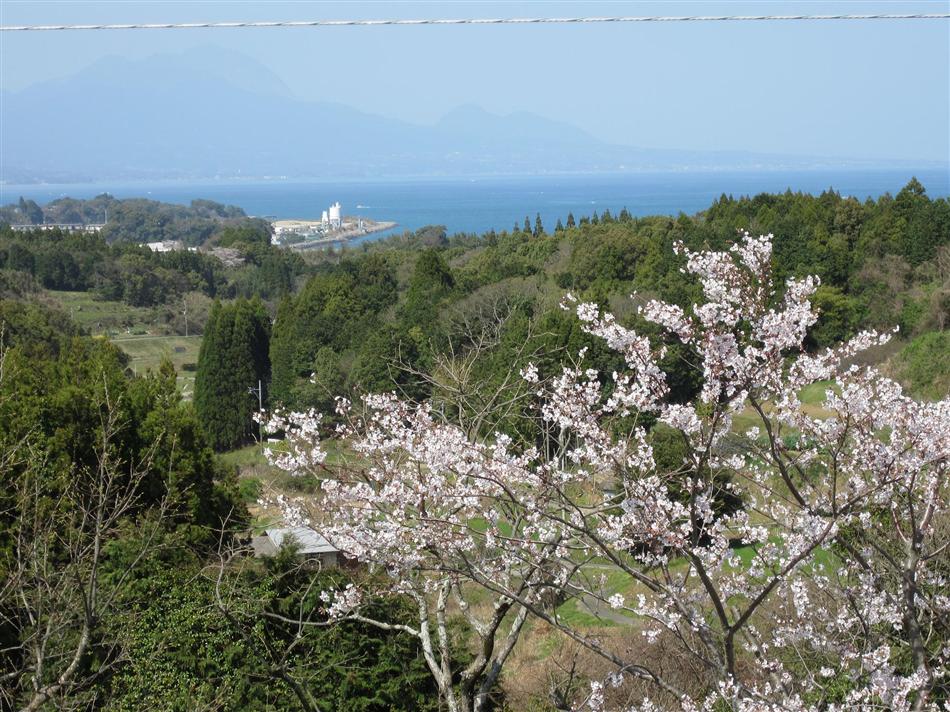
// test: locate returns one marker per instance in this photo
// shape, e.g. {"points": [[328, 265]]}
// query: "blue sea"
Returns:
{"points": [[476, 205]]}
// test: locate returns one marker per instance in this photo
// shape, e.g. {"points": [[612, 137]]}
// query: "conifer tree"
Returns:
{"points": [[260, 344], [283, 368], [431, 281], [233, 359], [538, 227], [208, 379], [527, 225], [559, 227], [570, 221]]}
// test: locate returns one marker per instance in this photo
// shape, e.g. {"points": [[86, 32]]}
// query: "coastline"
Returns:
{"points": [[477, 206], [344, 236]]}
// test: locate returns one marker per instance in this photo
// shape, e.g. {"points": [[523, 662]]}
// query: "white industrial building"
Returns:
{"points": [[333, 217]]}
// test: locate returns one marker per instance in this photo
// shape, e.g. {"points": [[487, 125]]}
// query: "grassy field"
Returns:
{"points": [[142, 332], [812, 398], [243, 458], [146, 353], [101, 317]]}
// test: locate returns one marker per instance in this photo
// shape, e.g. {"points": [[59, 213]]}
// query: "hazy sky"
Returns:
{"points": [[870, 89]]}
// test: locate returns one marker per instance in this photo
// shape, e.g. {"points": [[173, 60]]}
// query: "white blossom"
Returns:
{"points": [[836, 514]]}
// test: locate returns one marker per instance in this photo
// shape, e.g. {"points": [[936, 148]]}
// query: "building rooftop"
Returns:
{"points": [[308, 541]]}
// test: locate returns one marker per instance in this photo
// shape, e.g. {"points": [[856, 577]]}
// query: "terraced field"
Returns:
{"points": [[103, 317], [142, 332], [146, 353]]}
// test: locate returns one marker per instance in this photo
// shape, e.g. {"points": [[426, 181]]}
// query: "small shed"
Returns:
{"points": [[310, 545]]}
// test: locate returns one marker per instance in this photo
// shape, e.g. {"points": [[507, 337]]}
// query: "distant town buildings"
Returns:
{"points": [[168, 246], [65, 227], [286, 228], [163, 246]]}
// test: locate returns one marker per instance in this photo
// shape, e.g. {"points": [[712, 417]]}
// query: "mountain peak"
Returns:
{"points": [[202, 63], [471, 119], [209, 112]]}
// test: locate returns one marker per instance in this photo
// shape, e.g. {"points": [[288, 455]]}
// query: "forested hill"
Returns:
{"points": [[129, 220], [882, 264]]}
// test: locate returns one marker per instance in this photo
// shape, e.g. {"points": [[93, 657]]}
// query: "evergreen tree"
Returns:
{"points": [[570, 221], [538, 227], [233, 358], [430, 283], [283, 338], [235, 402], [371, 370], [594, 220], [923, 222], [559, 227], [208, 386], [527, 226], [326, 381], [260, 344]]}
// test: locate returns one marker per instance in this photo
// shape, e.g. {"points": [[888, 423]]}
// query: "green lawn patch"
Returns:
{"points": [[248, 456], [146, 353], [104, 317], [575, 614]]}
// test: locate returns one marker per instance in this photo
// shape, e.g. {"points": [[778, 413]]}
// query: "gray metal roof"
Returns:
{"points": [[308, 541]]}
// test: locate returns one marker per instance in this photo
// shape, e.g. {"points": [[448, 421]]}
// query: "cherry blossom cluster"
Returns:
{"points": [[801, 562], [862, 486]]}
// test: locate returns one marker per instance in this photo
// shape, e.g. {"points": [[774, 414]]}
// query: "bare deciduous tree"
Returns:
{"points": [[53, 598]]}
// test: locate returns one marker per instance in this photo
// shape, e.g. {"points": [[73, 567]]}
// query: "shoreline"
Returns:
{"points": [[343, 236]]}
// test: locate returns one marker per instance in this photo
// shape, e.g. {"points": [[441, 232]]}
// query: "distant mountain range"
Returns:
{"points": [[215, 113]]}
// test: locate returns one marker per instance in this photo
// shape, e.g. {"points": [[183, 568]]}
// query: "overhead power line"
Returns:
{"points": [[471, 21]]}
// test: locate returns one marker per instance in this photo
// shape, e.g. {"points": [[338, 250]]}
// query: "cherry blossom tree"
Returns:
{"points": [[842, 510], [442, 520], [827, 587]]}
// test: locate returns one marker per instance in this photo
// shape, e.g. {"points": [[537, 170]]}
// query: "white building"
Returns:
{"points": [[65, 227], [165, 246], [335, 214]]}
